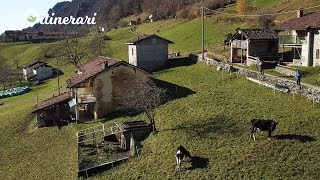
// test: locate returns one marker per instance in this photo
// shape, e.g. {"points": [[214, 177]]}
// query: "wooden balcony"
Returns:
{"points": [[85, 99], [239, 44]]}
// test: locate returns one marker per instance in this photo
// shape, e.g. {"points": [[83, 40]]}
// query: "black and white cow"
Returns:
{"points": [[181, 152], [262, 125]]}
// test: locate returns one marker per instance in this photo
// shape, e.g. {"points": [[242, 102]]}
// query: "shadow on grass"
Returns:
{"points": [[301, 138], [198, 163], [213, 126], [173, 91], [179, 61]]}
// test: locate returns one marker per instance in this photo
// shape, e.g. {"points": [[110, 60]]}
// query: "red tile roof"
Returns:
{"points": [[311, 20], [90, 69], [62, 98]]}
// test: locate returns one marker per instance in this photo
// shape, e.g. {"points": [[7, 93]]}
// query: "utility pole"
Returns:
{"points": [[58, 75], [202, 14]]}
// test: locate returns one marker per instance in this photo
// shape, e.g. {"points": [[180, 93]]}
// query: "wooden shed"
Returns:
{"points": [[53, 111], [248, 46]]}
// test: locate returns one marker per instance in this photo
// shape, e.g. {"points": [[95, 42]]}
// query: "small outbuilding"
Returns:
{"points": [[135, 129], [53, 111], [37, 71], [249, 46], [149, 52]]}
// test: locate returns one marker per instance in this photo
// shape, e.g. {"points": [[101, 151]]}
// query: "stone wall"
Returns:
{"points": [[218, 56], [306, 91], [286, 71]]}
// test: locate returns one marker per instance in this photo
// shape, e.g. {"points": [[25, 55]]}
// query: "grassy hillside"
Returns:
{"points": [[213, 123]]}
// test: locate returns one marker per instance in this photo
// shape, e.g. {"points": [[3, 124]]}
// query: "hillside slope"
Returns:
{"points": [[213, 123]]}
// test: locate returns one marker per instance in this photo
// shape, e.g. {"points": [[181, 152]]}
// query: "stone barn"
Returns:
{"points": [[149, 52], [248, 46]]}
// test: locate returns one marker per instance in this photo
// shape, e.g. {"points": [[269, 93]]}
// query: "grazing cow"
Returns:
{"points": [[262, 125], [181, 152]]}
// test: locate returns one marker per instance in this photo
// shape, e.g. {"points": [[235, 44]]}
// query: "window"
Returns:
{"points": [[132, 51], [317, 54]]}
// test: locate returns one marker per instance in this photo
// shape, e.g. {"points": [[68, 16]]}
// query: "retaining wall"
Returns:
{"points": [[309, 92]]}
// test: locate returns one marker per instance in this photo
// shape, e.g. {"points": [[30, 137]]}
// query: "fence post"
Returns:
{"points": [[87, 172], [293, 95], [104, 133], [313, 104]]}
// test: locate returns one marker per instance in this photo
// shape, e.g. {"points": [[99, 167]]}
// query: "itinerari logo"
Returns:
{"points": [[32, 19], [52, 20]]}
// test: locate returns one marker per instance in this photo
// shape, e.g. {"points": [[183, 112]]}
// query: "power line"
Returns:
{"points": [[257, 15]]}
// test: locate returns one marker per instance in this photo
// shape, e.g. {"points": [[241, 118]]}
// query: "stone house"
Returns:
{"points": [[302, 35], [33, 36], [14, 36], [248, 46], [94, 88], [93, 91], [37, 71], [149, 52]]}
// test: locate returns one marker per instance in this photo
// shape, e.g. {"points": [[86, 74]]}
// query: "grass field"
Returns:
{"points": [[213, 123]]}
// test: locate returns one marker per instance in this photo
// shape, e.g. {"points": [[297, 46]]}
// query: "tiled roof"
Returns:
{"points": [[311, 20], [62, 98], [257, 34], [141, 38], [90, 69]]}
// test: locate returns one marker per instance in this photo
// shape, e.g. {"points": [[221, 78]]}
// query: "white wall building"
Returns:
{"points": [[149, 52], [37, 71], [302, 34]]}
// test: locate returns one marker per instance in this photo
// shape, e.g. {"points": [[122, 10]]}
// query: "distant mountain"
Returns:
{"points": [[110, 12]]}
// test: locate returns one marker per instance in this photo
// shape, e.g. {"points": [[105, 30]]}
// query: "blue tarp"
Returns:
{"points": [[14, 91]]}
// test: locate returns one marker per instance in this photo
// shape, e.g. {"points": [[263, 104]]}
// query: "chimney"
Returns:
{"points": [[300, 13], [105, 64]]}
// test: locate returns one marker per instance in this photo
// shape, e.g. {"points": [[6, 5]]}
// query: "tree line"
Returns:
{"points": [[113, 11]]}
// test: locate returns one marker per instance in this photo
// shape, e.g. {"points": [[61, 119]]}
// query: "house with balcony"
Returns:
{"points": [[301, 35], [94, 87], [93, 92], [249, 46]]}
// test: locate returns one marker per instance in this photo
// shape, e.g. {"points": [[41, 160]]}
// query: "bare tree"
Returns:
{"points": [[7, 75], [140, 94], [73, 50], [98, 46], [243, 6]]}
